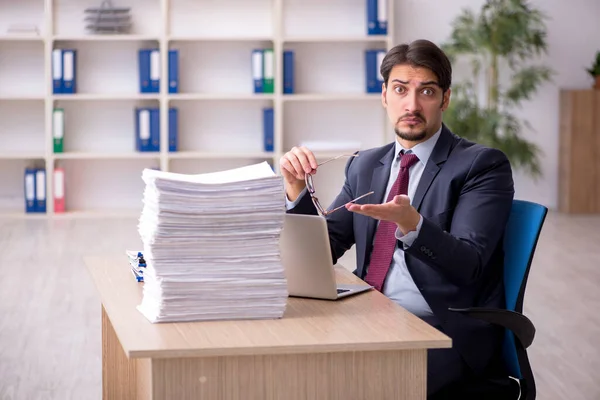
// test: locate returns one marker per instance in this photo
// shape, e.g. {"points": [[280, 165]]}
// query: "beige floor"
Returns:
{"points": [[50, 314]]}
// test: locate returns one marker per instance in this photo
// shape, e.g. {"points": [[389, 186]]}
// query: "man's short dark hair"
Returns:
{"points": [[420, 53]]}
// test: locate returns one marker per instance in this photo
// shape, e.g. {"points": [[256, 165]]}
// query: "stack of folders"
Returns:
{"points": [[211, 245]]}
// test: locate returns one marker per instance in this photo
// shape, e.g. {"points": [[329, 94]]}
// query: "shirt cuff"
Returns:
{"points": [[291, 204], [410, 237]]}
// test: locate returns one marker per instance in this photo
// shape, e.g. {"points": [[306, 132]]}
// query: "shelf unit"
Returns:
{"points": [[220, 119]]}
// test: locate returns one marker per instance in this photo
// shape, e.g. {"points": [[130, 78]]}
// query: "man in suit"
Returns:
{"points": [[431, 236]]}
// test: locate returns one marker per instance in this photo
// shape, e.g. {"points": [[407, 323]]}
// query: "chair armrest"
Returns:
{"points": [[519, 324]]}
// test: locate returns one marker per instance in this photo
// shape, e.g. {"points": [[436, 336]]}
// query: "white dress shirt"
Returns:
{"points": [[399, 285]]}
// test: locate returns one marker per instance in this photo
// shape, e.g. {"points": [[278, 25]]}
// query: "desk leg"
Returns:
{"points": [[122, 377], [377, 375]]}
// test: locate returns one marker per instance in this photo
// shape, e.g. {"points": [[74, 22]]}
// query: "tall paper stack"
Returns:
{"points": [[211, 245]]}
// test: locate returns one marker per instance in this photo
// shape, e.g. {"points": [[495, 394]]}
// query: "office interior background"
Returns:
{"points": [[90, 173]]}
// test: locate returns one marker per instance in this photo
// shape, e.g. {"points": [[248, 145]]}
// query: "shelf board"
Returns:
{"points": [[20, 38], [334, 39], [106, 38], [22, 156], [106, 156], [22, 214], [220, 39], [106, 96], [23, 97], [221, 96], [331, 96], [199, 155]]}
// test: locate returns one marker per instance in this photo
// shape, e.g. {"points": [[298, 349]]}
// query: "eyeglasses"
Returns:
{"points": [[311, 189]]}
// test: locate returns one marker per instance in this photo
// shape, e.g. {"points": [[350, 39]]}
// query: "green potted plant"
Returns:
{"points": [[594, 71], [502, 40]]}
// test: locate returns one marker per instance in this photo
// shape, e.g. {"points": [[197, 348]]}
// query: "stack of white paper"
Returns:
{"points": [[211, 245]]}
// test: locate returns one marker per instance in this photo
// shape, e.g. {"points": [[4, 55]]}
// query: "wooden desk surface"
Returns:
{"points": [[366, 321]]}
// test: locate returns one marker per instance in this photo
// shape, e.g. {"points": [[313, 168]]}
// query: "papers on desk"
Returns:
{"points": [[211, 245]]}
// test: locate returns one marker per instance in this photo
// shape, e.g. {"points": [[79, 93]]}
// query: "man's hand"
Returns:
{"points": [[398, 210], [294, 165]]}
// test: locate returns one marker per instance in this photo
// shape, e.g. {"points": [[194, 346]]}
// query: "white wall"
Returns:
{"points": [[573, 39]]}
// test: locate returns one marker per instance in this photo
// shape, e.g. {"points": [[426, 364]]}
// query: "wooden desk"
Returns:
{"points": [[362, 347]]}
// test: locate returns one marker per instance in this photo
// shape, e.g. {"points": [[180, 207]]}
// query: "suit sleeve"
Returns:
{"points": [[477, 223], [340, 223]]}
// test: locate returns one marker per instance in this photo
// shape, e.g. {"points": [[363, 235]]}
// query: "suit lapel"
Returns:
{"points": [[439, 155]]}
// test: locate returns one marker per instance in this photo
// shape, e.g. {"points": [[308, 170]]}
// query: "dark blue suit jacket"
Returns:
{"points": [[465, 196]]}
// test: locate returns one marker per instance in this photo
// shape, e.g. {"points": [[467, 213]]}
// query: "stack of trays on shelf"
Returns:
{"points": [[107, 19]]}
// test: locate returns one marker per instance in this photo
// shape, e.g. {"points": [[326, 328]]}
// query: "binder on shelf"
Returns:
{"points": [[154, 129], [154, 71], [288, 71], [57, 71], [173, 127], [373, 78], [142, 130], [377, 17], [257, 70], [144, 70], [173, 71], [40, 190], [58, 129], [59, 190], [69, 60], [268, 71], [30, 203], [382, 19], [268, 128]]}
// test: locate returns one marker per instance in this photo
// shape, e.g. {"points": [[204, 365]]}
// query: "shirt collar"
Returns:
{"points": [[422, 150]]}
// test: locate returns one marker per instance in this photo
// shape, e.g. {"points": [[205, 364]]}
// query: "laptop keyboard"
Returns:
{"points": [[342, 290]]}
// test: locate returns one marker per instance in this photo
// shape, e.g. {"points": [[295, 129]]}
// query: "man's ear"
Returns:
{"points": [[446, 99], [384, 95]]}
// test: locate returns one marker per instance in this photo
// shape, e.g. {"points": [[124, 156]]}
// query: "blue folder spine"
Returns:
{"points": [[173, 71], [173, 127], [288, 71], [29, 190], [57, 71], [144, 70], [371, 71], [69, 61], [257, 70], [372, 23], [40, 190], [154, 129], [268, 128], [142, 129]]}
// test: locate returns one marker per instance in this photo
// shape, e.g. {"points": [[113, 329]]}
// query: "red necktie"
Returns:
{"points": [[385, 238]]}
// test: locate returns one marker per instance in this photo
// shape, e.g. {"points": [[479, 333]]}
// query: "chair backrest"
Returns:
{"points": [[520, 240]]}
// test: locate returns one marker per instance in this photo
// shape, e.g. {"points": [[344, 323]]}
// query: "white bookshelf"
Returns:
{"points": [[220, 117]]}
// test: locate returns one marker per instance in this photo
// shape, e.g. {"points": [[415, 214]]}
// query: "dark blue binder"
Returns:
{"points": [[29, 190], [57, 71], [173, 71], [144, 70], [372, 23], [69, 64], [371, 76], [40, 190], [288, 71], [142, 129], [268, 128], [154, 129], [173, 127], [257, 70]]}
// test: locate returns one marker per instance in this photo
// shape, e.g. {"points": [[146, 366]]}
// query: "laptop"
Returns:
{"points": [[306, 258]]}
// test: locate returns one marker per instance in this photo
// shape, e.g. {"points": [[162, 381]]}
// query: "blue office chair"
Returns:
{"points": [[520, 240]]}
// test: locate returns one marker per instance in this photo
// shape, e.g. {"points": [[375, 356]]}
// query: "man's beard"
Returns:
{"points": [[411, 136]]}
